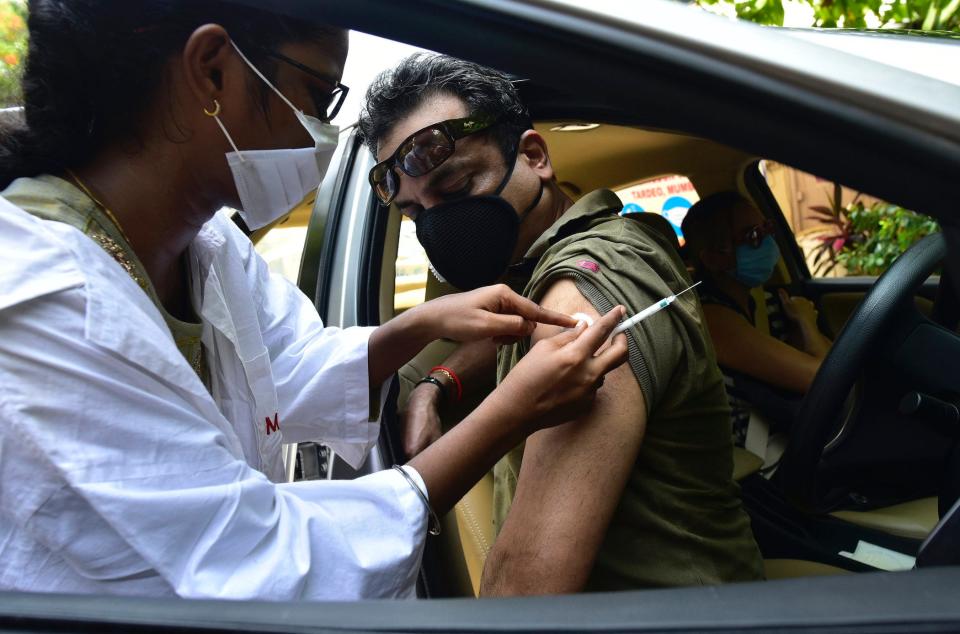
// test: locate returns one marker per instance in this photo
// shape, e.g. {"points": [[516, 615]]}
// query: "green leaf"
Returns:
{"points": [[947, 14], [930, 21], [761, 11]]}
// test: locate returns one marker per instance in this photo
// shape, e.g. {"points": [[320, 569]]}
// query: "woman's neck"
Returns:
{"points": [[160, 208], [734, 290]]}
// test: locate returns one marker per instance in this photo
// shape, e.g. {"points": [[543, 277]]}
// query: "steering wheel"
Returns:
{"points": [[881, 325]]}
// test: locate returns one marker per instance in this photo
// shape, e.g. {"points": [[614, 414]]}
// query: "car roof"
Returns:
{"points": [[851, 64], [660, 64], [935, 55]]}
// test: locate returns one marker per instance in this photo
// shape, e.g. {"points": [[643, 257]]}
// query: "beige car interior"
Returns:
{"points": [[835, 308], [612, 157]]}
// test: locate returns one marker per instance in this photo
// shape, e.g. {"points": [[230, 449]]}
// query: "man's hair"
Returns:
{"points": [[707, 225], [394, 94]]}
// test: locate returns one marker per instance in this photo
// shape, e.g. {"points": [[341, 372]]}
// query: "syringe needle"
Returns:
{"points": [[650, 310], [692, 286]]}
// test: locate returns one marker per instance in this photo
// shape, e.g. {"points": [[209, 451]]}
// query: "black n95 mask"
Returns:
{"points": [[470, 241]]}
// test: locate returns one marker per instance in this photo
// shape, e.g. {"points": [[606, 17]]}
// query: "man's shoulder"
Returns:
{"points": [[613, 247]]}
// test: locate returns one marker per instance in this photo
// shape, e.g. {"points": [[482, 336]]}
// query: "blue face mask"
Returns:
{"points": [[755, 265]]}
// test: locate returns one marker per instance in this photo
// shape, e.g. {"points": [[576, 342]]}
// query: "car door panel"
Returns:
{"points": [[880, 602], [836, 298], [677, 87]]}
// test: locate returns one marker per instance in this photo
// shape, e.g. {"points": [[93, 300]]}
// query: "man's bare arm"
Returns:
{"points": [[474, 364], [570, 483]]}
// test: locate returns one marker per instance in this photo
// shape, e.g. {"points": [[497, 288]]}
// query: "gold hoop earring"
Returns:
{"points": [[216, 109]]}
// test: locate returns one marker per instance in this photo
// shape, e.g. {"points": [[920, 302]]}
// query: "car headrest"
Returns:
{"points": [[661, 225]]}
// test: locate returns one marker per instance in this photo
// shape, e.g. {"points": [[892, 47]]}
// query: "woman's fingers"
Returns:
{"points": [[568, 336], [599, 332], [505, 326], [553, 318], [511, 302], [613, 357]]}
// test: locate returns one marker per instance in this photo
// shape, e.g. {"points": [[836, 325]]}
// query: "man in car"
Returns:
{"points": [[642, 495]]}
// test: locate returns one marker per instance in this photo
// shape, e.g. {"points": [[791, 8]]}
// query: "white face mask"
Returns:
{"points": [[271, 183]]}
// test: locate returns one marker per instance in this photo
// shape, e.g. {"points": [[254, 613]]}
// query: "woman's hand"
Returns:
{"points": [[802, 312], [491, 312], [799, 310], [494, 312], [558, 379], [420, 419]]}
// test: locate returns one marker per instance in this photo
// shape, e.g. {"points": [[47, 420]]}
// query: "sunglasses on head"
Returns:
{"points": [[422, 152], [755, 234]]}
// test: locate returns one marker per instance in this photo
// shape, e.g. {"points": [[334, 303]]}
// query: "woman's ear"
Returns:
{"points": [[208, 65], [533, 147], [716, 260]]}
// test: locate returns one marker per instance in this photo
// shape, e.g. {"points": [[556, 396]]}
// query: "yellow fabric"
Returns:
{"points": [[761, 320], [745, 463]]}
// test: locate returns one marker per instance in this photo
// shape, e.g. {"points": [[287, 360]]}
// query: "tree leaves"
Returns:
{"points": [[879, 234], [927, 15], [13, 49]]}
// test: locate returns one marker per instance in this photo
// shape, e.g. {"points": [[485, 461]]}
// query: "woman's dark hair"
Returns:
{"points": [[396, 93], [707, 226], [95, 67]]}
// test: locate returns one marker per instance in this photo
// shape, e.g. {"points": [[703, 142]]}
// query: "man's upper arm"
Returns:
{"points": [[743, 348], [571, 480]]}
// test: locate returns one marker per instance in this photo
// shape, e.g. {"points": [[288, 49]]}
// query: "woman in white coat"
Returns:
{"points": [[150, 366]]}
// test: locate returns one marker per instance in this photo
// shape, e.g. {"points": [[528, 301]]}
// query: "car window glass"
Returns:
{"points": [[282, 246], [412, 269], [842, 232], [670, 196]]}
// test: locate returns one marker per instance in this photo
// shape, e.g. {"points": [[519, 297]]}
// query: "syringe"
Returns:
{"points": [[649, 310]]}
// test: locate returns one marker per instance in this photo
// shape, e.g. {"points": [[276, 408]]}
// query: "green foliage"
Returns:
{"points": [[926, 15], [865, 239], [879, 234], [759, 11], [852, 14], [834, 216], [13, 49]]}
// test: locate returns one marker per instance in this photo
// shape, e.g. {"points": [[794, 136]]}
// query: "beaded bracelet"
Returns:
{"points": [[435, 381], [434, 520], [452, 376]]}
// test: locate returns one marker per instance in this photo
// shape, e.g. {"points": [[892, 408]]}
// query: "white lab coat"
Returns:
{"points": [[121, 473]]}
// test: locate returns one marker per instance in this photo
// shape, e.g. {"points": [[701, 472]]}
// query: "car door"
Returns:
{"points": [[368, 222], [579, 103], [678, 71]]}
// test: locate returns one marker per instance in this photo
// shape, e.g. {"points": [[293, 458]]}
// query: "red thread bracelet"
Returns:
{"points": [[442, 369]]}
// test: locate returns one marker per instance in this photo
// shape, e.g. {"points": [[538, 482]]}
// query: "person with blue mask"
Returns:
{"points": [[733, 250]]}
